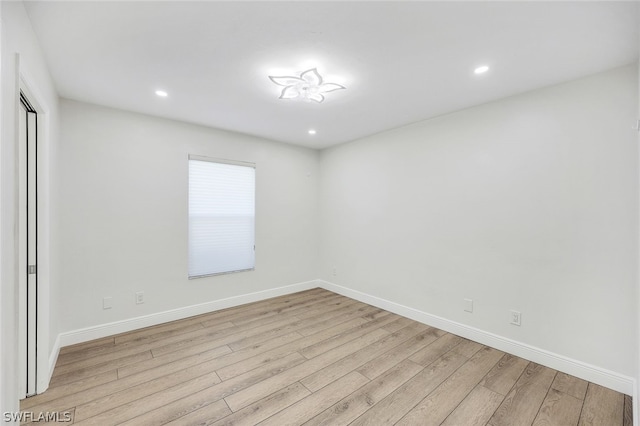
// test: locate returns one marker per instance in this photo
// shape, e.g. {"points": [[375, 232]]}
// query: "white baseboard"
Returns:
{"points": [[603, 377], [45, 378], [636, 406], [104, 330], [53, 357]]}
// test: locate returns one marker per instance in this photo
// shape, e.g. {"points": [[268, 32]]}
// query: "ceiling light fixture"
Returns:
{"points": [[481, 70], [162, 93], [312, 132], [308, 86]]}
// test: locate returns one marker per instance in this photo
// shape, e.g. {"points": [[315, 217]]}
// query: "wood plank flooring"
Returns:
{"points": [[313, 358]]}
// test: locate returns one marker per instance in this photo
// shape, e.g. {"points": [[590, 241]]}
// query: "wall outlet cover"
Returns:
{"points": [[107, 302], [515, 318]]}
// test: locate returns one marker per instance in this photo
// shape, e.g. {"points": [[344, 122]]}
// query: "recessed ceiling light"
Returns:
{"points": [[312, 132], [162, 93], [481, 70]]}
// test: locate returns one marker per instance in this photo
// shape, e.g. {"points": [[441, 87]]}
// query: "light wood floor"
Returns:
{"points": [[313, 358]]}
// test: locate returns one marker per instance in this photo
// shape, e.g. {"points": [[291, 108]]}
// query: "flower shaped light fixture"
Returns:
{"points": [[308, 86]]}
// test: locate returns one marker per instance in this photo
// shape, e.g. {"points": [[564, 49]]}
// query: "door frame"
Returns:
{"points": [[45, 355]]}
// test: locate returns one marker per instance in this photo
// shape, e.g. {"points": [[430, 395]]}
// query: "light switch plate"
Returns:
{"points": [[107, 302]]}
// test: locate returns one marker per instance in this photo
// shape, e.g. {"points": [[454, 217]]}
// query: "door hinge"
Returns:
{"points": [[32, 269]]}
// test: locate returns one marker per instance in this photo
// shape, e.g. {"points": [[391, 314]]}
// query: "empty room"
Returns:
{"points": [[315, 212]]}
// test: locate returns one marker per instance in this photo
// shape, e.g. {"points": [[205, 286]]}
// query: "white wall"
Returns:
{"points": [[528, 203], [18, 38], [124, 214]]}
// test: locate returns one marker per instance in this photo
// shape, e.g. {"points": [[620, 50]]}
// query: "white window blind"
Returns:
{"points": [[221, 217]]}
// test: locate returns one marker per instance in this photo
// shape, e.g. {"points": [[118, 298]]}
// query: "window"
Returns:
{"points": [[221, 216]]}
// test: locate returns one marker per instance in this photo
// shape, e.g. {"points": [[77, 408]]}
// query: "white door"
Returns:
{"points": [[28, 245]]}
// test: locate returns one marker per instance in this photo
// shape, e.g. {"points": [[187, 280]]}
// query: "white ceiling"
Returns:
{"points": [[400, 61]]}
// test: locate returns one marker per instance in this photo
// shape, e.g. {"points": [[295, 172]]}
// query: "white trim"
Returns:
{"points": [[36, 99], [53, 359], [603, 377], [592, 373], [104, 330], [634, 402], [221, 161], [636, 391]]}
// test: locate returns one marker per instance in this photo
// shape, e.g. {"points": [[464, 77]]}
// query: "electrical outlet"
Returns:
{"points": [[516, 318], [107, 302], [334, 272], [139, 298], [468, 305]]}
